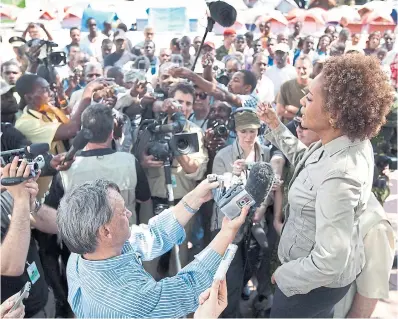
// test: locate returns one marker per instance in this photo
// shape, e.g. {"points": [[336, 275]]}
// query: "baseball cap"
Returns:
{"points": [[282, 47], [17, 41], [209, 44], [229, 31]]}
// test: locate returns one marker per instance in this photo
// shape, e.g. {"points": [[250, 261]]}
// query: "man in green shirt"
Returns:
{"points": [[292, 91]]}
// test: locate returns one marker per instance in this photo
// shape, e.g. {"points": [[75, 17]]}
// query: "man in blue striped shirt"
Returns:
{"points": [[106, 278]]}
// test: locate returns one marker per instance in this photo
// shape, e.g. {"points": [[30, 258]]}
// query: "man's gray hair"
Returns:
{"points": [[92, 65], [81, 213]]}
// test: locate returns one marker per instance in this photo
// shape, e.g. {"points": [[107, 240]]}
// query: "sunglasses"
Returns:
{"points": [[297, 123], [92, 25], [201, 95]]}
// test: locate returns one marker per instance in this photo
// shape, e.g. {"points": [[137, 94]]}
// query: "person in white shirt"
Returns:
{"points": [[91, 44], [265, 87], [281, 72]]}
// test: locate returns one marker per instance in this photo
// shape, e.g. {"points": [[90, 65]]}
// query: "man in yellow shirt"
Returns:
{"points": [[40, 122]]}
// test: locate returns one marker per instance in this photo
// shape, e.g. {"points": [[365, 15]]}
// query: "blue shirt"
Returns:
{"points": [[120, 287]]}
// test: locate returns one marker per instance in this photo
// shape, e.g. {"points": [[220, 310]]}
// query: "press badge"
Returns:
{"points": [[33, 272], [174, 181]]}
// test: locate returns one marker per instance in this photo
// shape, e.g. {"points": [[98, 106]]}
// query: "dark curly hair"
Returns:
{"points": [[357, 94]]}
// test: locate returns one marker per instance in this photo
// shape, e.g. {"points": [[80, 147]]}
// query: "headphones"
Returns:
{"points": [[231, 121]]}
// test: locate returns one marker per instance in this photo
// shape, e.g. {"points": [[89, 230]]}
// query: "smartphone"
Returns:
{"points": [[22, 295]]}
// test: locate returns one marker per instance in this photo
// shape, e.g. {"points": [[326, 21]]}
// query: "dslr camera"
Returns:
{"points": [[219, 129], [33, 154]]}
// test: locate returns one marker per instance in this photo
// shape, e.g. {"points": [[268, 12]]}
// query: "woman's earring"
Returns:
{"points": [[332, 123]]}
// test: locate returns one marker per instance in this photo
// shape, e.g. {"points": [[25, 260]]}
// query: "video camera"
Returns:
{"points": [[33, 154], [167, 141], [47, 55]]}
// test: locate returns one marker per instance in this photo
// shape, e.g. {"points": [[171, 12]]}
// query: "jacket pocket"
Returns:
{"points": [[301, 245]]}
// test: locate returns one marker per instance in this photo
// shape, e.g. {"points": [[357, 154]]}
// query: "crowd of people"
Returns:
{"points": [[321, 112]]}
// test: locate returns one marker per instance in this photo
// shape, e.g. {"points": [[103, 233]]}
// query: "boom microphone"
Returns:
{"points": [[33, 150], [222, 12], [79, 142]]}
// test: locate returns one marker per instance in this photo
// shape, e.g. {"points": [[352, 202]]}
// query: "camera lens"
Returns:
{"points": [[182, 145]]}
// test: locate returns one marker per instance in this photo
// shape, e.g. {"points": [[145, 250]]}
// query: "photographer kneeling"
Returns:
{"points": [[20, 262], [105, 273]]}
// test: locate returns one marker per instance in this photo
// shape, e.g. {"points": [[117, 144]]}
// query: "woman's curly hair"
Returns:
{"points": [[357, 94]]}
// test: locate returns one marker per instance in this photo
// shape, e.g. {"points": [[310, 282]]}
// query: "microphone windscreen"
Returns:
{"points": [[223, 13], [260, 181], [82, 138], [37, 149]]}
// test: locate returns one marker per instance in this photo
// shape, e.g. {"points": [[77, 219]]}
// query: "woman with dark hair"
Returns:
{"points": [[373, 43], [320, 248]]}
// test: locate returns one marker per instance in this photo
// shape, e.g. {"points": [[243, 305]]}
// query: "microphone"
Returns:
{"points": [[33, 150], [79, 142], [37, 149], [260, 182], [222, 12], [257, 189]]}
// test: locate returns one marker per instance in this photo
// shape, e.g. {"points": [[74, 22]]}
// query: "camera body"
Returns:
{"points": [[34, 162], [166, 145], [220, 130], [167, 140], [221, 75]]}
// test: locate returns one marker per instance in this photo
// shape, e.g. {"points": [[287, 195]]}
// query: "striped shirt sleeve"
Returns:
{"points": [[158, 237]]}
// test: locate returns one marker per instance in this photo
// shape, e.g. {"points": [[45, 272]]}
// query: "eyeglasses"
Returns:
{"points": [[201, 95], [297, 123]]}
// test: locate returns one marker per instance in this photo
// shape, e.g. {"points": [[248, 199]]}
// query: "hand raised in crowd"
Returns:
{"points": [[207, 60], [238, 167], [138, 89], [180, 72], [8, 304], [171, 106], [19, 191], [267, 114], [213, 143], [57, 162], [94, 86], [150, 161], [213, 301]]}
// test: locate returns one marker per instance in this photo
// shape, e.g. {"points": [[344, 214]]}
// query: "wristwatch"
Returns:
{"points": [[188, 208], [36, 207]]}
